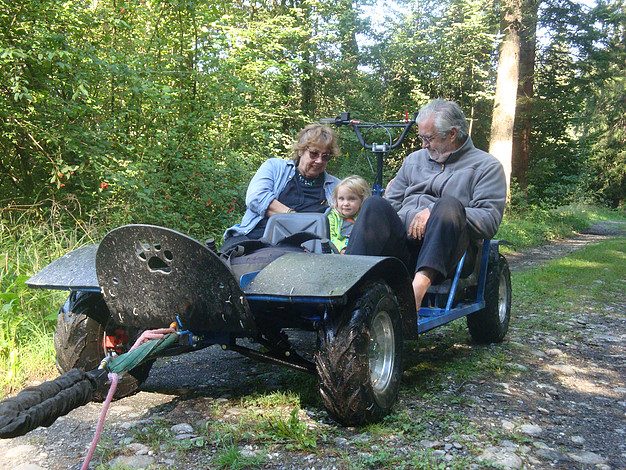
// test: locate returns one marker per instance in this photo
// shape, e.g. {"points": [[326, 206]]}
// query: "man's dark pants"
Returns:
{"points": [[379, 231]]}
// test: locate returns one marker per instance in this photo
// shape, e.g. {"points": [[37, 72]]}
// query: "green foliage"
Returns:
{"points": [[27, 317], [231, 458], [578, 131], [161, 111], [292, 431], [155, 434]]}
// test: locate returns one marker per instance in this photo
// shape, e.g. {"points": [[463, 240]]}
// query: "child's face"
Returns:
{"points": [[348, 203]]}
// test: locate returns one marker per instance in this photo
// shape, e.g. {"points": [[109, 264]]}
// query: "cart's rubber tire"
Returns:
{"points": [[359, 360], [491, 324], [78, 341]]}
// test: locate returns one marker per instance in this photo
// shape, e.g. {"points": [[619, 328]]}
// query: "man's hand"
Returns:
{"points": [[418, 224]]}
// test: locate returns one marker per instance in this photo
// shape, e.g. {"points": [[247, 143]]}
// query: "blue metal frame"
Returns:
{"points": [[432, 317], [427, 317]]}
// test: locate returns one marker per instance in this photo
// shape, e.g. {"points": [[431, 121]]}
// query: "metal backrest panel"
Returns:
{"points": [[150, 275], [281, 226]]}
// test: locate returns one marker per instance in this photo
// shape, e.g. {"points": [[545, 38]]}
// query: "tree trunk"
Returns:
{"points": [[523, 115], [501, 141]]}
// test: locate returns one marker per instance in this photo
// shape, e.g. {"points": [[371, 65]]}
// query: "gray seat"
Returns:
{"points": [[282, 226]]}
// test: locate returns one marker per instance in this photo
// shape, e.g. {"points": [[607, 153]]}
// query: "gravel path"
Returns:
{"points": [[565, 406]]}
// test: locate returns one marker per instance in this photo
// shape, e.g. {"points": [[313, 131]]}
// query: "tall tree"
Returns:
{"points": [[525, 94], [503, 118]]}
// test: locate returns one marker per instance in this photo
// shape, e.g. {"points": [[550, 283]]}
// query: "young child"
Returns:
{"points": [[348, 195]]}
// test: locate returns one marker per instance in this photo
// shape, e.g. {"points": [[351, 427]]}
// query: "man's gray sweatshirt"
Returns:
{"points": [[473, 176]]}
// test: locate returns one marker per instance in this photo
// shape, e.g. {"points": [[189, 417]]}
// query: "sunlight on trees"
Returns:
{"points": [[146, 111]]}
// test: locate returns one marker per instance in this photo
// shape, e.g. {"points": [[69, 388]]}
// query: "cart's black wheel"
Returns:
{"points": [[359, 361], [79, 341], [490, 324]]}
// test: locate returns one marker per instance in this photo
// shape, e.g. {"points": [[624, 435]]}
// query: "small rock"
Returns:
{"points": [[518, 367], [587, 458], [134, 462], [447, 447], [248, 452], [564, 369], [508, 444], [577, 440], [552, 455], [538, 353], [430, 444], [341, 442], [138, 448], [531, 429], [543, 410], [28, 466], [508, 425], [608, 339], [457, 445], [541, 445], [182, 428], [182, 437], [502, 457], [554, 352], [360, 438]]}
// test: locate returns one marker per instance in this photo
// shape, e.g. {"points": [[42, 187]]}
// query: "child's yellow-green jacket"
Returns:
{"points": [[340, 228]]}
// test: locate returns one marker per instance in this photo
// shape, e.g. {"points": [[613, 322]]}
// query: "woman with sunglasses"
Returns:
{"points": [[285, 186]]}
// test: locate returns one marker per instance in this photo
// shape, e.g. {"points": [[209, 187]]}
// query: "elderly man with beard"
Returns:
{"points": [[446, 195]]}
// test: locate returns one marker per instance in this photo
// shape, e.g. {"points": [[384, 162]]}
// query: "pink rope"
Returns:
{"points": [[151, 334], [113, 377]]}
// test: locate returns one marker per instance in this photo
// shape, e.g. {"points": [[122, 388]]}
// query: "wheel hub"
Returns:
{"points": [[503, 299], [381, 352]]}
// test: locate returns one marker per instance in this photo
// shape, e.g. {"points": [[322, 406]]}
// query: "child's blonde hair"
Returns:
{"points": [[356, 184]]}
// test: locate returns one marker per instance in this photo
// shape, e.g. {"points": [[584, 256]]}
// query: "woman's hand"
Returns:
{"points": [[276, 207]]}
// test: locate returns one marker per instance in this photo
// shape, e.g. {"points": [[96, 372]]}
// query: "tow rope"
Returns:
{"points": [[41, 405]]}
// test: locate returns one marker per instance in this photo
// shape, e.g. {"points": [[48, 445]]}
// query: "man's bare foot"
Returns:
{"points": [[421, 282]]}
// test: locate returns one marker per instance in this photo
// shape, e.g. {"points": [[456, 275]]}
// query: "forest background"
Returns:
{"points": [[160, 111]]}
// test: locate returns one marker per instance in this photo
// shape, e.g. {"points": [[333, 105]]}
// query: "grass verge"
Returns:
{"points": [[535, 226], [28, 317]]}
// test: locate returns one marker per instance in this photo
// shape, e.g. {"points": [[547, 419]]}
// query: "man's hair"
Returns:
{"points": [[356, 184], [318, 135], [448, 115]]}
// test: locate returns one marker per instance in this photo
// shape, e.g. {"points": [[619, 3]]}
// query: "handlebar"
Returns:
{"points": [[344, 120], [379, 150]]}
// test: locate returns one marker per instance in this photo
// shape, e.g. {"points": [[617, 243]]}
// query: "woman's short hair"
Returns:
{"points": [[448, 115], [356, 184], [318, 135]]}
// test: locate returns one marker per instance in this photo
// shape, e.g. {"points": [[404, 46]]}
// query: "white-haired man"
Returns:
{"points": [[445, 195]]}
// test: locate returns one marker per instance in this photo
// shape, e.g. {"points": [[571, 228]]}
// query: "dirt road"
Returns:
{"points": [[563, 407]]}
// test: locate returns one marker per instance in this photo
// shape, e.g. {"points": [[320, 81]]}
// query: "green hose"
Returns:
{"points": [[132, 359]]}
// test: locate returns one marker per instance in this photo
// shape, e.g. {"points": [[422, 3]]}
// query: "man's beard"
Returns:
{"points": [[438, 157]]}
